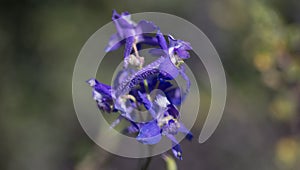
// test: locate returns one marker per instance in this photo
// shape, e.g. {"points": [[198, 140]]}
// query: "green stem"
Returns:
{"points": [[147, 163]]}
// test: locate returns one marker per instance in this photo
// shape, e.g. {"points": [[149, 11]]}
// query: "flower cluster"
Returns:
{"points": [[140, 88]]}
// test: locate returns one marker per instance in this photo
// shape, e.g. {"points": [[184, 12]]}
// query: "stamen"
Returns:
{"points": [[165, 120], [129, 97], [135, 49], [157, 84], [140, 59], [179, 62], [176, 60]]}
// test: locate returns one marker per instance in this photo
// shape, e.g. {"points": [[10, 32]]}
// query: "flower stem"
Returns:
{"points": [[147, 163]]}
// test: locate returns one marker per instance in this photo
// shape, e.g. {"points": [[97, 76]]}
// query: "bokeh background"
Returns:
{"points": [[258, 42]]}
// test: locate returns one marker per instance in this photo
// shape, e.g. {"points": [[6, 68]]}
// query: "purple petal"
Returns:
{"points": [[147, 103], [137, 77], [176, 149], [103, 89], [174, 96], [99, 87], [172, 41], [128, 46], [157, 52], [189, 136], [180, 47], [144, 39], [145, 100], [92, 82], [145, 27], [173, 139], [114, 43], [149, 133], [172, 110], [161, 40], [178, 95], [121, 76], [183, 54], [168, 67], [123, 23], [184, 45], [102, 95], [163, 83], [115, 15]]}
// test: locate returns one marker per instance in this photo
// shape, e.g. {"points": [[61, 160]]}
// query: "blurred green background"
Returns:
{"points": [[259, 45]]}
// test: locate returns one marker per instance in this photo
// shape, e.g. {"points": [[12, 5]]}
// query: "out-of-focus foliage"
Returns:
{"points": [[259, 45], [274, 46]]}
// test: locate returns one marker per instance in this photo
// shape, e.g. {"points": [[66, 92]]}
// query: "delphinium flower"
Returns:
{"points": [[132, 35], [151, 87]]}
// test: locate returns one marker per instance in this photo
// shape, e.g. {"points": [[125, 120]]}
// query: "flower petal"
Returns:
{"points": [[176, 149], [157, 52], [174, 95], [172, 41], [134, 80], [149, 133], [172, 110], [145, 27], [123, 24], [182, 54], [168, 67], [100, 87], [122, 75], [128, 49], [178, 95], [189, 136], [144, 39], [145, 100], [161, 40], [114, 43]]}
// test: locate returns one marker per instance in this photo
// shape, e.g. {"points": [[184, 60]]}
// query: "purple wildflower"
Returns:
{"points": [[131, 34], [151, 87]]}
